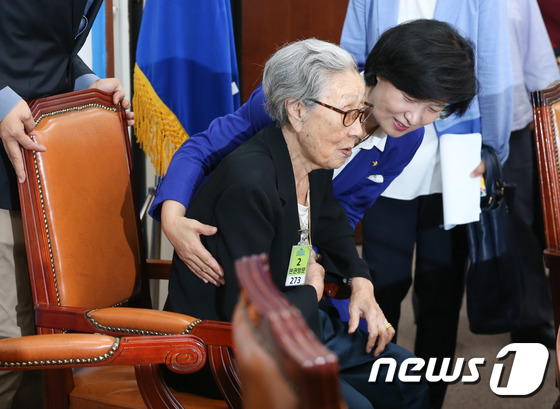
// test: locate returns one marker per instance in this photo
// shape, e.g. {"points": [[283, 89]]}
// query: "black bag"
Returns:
{"points": [[494, 284]]}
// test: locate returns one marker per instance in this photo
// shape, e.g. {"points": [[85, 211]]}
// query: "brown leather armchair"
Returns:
{"points": [[546, 119], [281, 364], [89, 273]]}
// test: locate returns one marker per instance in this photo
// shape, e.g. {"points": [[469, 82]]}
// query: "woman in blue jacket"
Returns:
{"points": [[410, 229]]}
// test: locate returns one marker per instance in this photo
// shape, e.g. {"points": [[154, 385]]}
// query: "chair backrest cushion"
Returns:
{"points": [[79, 214]]}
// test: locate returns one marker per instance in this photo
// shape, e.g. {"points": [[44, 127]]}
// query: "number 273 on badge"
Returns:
{"points": [[299, 262]]}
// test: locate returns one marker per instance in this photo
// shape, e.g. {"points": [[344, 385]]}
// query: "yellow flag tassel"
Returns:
{"points": [[157, 129]]}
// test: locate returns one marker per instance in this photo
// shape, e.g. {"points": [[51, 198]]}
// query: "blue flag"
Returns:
{"points": [[185, 74]]}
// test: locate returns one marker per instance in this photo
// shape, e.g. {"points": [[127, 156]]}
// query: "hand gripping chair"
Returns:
{"points": [[281, 364], [89, 274], [546, 118]]}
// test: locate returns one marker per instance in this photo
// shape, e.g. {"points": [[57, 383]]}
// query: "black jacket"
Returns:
{"points": [[251, 198], [39, 43]]}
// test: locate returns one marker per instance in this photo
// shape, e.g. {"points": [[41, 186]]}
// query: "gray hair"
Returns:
{"points": [[301, 71]]}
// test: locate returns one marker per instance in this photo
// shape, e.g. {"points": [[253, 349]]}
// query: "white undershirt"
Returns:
{"points": [[304, 221], [303, 216]]}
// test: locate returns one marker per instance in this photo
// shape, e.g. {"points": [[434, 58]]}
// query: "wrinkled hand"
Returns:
{"points": [[315, 275], [114, 86], [479, 170], [363, 305], [14, 132], [184, 235]]}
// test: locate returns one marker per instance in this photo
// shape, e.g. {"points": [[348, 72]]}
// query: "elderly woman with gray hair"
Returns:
{"points": [[274, 195]]}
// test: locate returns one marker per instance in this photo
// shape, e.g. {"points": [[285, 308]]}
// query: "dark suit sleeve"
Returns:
{"points": [[80, 67], [200, 154], [249, 214], [332, 233]]}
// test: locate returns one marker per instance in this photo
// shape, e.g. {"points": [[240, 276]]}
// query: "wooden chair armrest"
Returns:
{"points": [[63, 318], [119, 321], [552, 259], [139, 321], [181, 353], [338, 290], [158, 269], [55, 350]]}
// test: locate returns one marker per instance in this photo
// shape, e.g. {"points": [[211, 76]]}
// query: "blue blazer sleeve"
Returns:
{"points": [[200, 154]]}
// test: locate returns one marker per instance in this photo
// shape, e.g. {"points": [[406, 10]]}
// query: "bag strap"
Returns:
{"points": [[493, 178]]}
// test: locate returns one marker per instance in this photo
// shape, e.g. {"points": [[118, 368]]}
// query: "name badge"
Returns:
{"points": [[299, 262]]}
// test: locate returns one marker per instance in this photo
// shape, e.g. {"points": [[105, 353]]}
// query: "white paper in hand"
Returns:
{"points": [[460, 155]]}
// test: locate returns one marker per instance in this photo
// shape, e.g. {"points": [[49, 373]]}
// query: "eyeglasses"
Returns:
{"points": [[349, 117]]}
